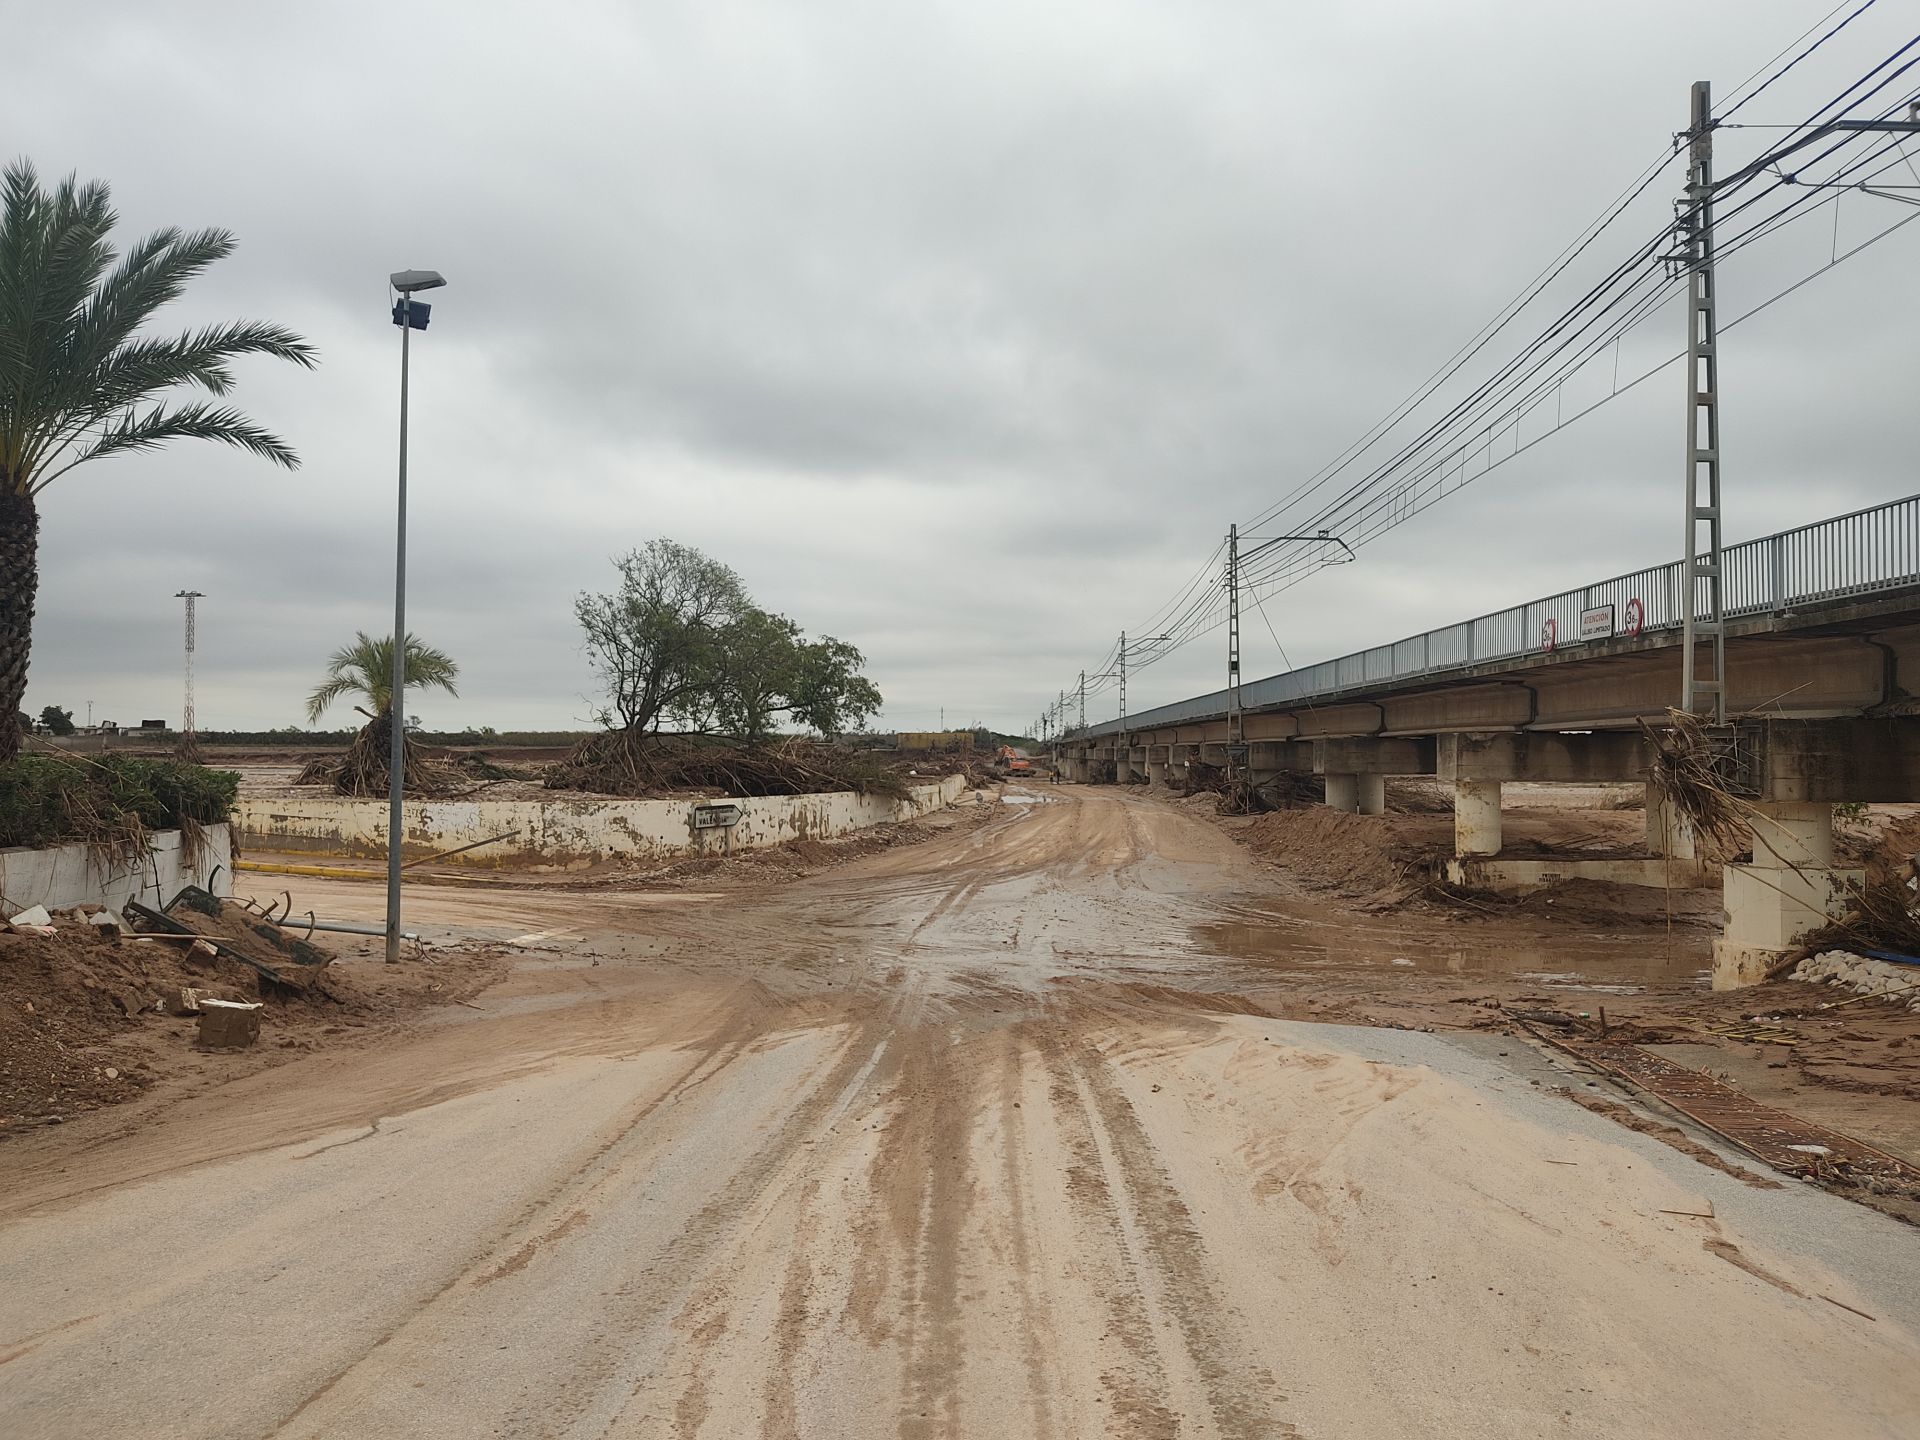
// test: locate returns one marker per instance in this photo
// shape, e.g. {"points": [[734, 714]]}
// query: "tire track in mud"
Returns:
{"points": [[690, 1252], [1197, 1370], [1015, 1145], [921, 1186], [602, 1166], [703, 1068]]}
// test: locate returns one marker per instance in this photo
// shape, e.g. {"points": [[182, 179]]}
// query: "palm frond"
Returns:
{"points": [[328, 691], [151, 428]]}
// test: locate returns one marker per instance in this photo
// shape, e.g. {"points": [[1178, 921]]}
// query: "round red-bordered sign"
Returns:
{"points": [[1549, 634], [1636, 617]]}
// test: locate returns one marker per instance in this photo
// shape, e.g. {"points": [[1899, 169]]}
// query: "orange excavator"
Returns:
{"points": [[1012, 762]]}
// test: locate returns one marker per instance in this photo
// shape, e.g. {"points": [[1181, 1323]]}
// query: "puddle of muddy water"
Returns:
{"points": [[1592, 962]]}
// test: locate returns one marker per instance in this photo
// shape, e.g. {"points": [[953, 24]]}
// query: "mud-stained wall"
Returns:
{"points": [[70, 875], [571, 833]]}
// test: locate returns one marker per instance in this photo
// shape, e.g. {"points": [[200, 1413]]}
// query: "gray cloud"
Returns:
{"points": [[961, 331]]}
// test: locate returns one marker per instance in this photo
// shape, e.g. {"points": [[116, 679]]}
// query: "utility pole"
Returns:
{"points": [[1702, 694], [1233, 644], [1123, 682], [1694, 229], [1236, 737], [1083, 700], [189, 747]]}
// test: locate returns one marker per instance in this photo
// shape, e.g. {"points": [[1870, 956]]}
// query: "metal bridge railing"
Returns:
{"points": [[1856, 554]]}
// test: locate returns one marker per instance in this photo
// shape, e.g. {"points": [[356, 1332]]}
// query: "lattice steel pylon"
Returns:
{"points": [[188, 741], [1702, 577]]}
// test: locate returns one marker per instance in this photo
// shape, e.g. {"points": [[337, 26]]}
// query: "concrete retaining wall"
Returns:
{"points": [[571, 833], [68, 875]]}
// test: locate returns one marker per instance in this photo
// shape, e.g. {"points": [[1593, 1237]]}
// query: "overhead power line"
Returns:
{"points": [[1489, 424]]}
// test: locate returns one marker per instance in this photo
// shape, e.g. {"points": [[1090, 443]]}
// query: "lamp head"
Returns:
{"points": [[408, 281]]}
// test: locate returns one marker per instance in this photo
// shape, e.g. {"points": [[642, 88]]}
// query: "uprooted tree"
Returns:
{"points": [[365, 668], [680, 644]]}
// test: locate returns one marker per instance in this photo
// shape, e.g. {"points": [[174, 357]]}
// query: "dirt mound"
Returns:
{"points": [[90, 1017], [1368, 858], [64, 996]]}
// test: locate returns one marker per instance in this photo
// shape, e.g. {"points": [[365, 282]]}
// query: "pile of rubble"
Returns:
{"points": [[1864, 976]]}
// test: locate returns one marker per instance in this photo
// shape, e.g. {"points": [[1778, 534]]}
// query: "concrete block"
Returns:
{"points": [[228, 1024]]}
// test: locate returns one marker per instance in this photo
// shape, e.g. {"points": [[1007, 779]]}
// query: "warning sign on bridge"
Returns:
{"points": [[1597, 623]]}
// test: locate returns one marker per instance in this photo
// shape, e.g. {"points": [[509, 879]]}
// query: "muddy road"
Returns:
{"points": [[982, 1136]]}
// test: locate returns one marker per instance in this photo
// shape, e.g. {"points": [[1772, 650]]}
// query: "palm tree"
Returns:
{"points": [[365, 668], [78, 381]]}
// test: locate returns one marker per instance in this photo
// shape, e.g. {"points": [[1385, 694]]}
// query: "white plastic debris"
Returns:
{"points": [[32, 921]]}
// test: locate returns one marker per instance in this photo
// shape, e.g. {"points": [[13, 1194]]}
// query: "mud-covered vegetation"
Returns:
{"points": [[110, 800]]}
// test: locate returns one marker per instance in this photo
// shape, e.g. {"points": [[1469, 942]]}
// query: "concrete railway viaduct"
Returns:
{"points": [[1823, 679]]}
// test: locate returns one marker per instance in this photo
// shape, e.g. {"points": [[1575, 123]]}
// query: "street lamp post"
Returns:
{"points": [[410, 315]]}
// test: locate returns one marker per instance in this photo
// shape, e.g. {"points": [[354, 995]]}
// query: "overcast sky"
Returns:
{"points": [[960, 330]]}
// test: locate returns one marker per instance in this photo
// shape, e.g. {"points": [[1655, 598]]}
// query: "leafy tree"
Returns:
{"points": [[57, 721], [758, 662], [78, 379], [365, 668], [828, 694], [655, 641]]}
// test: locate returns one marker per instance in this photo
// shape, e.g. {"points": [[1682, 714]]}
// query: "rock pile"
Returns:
{"points": [[1900, 983]]}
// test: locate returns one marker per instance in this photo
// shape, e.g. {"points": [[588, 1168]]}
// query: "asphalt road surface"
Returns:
{"points": [[968, 1138]]}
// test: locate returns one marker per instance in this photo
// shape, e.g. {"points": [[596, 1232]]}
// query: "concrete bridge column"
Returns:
{"points": [[1476, 817], [1179, 764], [1370, 794], [1790, 888], [1343, 792], [1668, 831]]}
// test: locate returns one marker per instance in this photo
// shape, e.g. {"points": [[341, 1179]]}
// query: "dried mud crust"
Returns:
{"points": [[84, 1016]]}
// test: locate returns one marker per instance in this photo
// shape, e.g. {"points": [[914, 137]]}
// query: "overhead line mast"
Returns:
{"points": [[1701, 575]]}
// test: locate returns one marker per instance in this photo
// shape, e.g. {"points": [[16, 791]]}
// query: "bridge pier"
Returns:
{"points": [[1789, 888], [1356, 768], [1476, 817], [1179, 764], [1669, 833]]}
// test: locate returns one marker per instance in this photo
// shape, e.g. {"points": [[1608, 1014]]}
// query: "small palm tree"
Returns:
{"points": [[365, 668], [78, 381]]}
